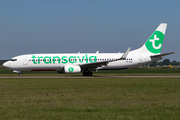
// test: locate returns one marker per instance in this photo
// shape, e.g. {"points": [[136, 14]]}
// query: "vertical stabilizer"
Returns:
{"points": [[154, 44]]}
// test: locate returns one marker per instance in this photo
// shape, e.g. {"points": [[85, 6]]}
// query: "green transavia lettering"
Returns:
{"points": [[63, 59]]}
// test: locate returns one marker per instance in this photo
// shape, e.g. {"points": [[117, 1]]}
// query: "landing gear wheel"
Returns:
{"points": [[84, 73], [87, 73], [20, 74]]}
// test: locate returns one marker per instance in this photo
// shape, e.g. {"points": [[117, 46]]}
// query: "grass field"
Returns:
{"points": [[90, 98]]}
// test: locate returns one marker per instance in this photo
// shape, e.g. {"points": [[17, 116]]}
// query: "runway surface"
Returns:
{"points": [[89, 76]]}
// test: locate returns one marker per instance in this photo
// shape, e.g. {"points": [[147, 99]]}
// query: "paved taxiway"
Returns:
{"points": [[89, 76]]}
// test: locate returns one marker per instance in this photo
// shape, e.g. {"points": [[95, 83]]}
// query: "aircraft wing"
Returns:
{"points": [[103, 63]]}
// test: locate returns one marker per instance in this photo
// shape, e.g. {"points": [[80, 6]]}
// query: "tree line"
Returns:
{"points": [[2, 61], [165, 62]]}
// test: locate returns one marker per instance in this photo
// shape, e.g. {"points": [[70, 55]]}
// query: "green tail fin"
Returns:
{"points": [[155, 41]]}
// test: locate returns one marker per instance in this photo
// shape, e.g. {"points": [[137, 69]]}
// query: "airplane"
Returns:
{"points": [[87, 62]]}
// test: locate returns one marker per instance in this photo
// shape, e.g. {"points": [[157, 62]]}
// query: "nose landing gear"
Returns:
{"points": [[20, 74], [16, 71]]}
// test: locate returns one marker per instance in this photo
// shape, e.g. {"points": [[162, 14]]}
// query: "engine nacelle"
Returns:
{"points": [[72, 69]]}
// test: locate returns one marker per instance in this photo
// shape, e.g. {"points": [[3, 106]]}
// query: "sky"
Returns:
{"points": [[70, 26]]}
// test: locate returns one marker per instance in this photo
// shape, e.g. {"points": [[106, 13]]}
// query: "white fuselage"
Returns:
{"points": [[56, 62]]}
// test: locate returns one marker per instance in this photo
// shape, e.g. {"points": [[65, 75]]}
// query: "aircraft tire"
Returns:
{"points": [[20, 74], [84, 73], [87, 73]]}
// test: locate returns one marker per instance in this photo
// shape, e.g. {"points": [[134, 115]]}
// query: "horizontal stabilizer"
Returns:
{"points": [[161, 55]]}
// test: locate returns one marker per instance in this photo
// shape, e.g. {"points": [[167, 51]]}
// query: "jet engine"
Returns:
{"points": [[71, 69]]}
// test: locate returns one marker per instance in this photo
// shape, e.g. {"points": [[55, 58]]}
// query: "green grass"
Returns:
{"points": [[90, 98]]}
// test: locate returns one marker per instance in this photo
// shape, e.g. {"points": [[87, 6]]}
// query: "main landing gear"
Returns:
{"points": [[87, 73]]}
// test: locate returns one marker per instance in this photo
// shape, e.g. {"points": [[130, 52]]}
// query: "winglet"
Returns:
{"points": [[125, 54]]}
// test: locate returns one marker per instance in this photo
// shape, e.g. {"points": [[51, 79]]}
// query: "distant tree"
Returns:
{"points": [[166, 62], [160, 63], [153, 64], [174, 61], [2, 61]]}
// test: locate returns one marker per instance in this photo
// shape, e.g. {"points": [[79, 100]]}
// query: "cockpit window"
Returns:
{"points": [[13, 59]]}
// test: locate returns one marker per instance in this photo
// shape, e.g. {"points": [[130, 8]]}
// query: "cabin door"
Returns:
{"points": [[140, 59], [25, 62]]}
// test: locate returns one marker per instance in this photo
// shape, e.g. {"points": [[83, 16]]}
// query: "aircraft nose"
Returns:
{"points": [[5, 64]]}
